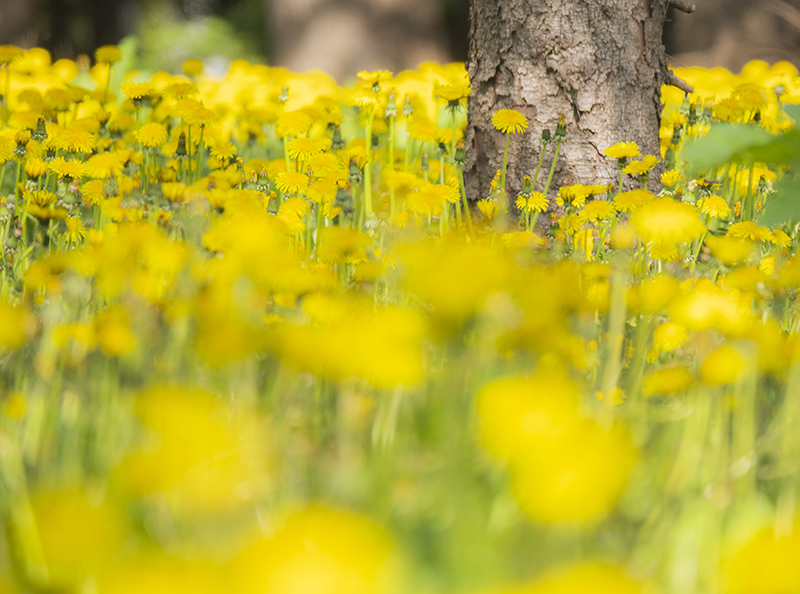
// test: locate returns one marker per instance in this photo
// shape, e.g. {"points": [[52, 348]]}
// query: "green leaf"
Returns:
{"points": [[740, 143], [793, 111], [783, 206]]}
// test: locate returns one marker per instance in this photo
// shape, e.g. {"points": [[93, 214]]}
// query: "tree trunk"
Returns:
{"points": [[600, 63]]}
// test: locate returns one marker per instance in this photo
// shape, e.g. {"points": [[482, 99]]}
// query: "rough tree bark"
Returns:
{"points": [[600, 63]]}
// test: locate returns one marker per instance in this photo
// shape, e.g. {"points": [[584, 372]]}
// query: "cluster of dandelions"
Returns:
{"points": [[256, 338]]}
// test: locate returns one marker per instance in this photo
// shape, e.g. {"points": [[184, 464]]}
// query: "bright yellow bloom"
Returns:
{"points": [[623, 150], [665, 220], [724, 365], [75, 229], [633, 200], [108, 54], [489, 208], [291, 182], [378, 76], [667, 380], [152, 135], [192, 67], [293, 124], [671, 178], [305, 148], [596, 211], [509, 121], [641, 167], [70, 169], [750, 230], [715, 207]]}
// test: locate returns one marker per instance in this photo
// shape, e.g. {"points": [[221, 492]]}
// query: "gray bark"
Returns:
{"points": [[600, 63]]}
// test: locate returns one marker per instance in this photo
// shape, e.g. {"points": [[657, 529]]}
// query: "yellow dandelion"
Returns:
{"points": [[291, 182], [669, 379], [596, 211], [667, 221], [75, 139], [669, 336], [192, 67], [715, 207], [107, 54], [305, 148], [723, 365], [75, 229], [750, 230], [373, 78], [730, 250], [105, 165], [152, 135], [93, 192], [138, 90], [641, 167], [623, 150], [509, 121], [35, 167], [67, 168], [293, 124], [671, 178], [633, 200]]}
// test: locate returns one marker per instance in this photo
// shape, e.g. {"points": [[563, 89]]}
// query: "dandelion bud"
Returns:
{"points": [[40, 134], [407, 109], [461, 155], [180, 151], [391, 106], [561, 129], [355, 173], [284, 96], [424, 162], [546, 136], [337, 143], [779, 90]]}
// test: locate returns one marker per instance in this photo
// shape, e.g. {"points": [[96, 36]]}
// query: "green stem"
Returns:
{"points": [[368, 167], [505, 163], [552, 167], [464, 199]]}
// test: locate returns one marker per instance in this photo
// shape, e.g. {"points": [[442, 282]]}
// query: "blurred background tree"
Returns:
{"points": [[344, 36]]}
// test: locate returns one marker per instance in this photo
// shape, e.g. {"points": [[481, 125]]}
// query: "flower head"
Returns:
{"points": [[108, 54], [509, 121], [622, 150]]}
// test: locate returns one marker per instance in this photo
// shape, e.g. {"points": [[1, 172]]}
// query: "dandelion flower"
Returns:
{"points": [[671, 178], [623, 150], [489, 209], [669, 336], [291, 182], [107, 54], [192, 67], [70, 169], [668, 221], [715, 207], [373, 78], [750, 230], [633, 200], [641, 167], [293, 124], [596, 211], [75, 229], [667, 380], [723, 365], [536, 202], [152, 135], [509, 121], [305, 148]]}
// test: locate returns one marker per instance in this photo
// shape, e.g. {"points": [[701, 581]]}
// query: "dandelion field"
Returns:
{"points": [[255, 338]]}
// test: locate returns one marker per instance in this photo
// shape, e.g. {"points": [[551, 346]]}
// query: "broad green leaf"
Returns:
{"points": [[739, 143], [783, 206]]}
